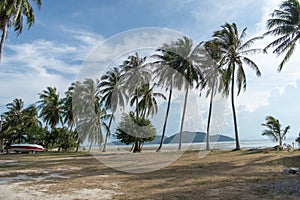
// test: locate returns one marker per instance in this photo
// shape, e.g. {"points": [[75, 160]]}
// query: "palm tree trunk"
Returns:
{"points": [[137, 147], [280, 143], [107, 134], [209, 118], [77, 145], [165, 123], [237, 143], [90, 146], [3, 36], [182, 119], [137, 103]]}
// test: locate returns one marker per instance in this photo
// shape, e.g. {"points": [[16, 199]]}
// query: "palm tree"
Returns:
{"points": [[88, 113], [167, 77], [113, 94], [67, 108], [285, 24], [12, 13], [136, 74], [274, 130], [50, 107], [148, 103], [21, 121], [31, 116], [186, 60], [234, 57], [211, 80], [67, 112], [15, 111], [14, 120]]}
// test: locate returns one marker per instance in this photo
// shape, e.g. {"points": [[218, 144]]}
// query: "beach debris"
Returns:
{"points": [[291, 170]]}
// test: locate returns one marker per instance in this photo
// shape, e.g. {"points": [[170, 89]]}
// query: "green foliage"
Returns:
{"points": [[274, 130], [135, 130], [12, 13], [233, 58], [63, 138], [284, 23]]}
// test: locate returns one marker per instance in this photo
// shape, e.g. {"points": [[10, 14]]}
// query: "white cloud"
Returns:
{"points": [[28, 68]]}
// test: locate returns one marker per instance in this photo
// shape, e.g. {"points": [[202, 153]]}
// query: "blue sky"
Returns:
{"points": [[66, 32]]}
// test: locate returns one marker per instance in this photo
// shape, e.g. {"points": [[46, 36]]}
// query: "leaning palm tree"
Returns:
{"points": [[274, 130], [186, 60], [112, 89], [233, 59], [212, 80], [285, 24], [12, 13]]}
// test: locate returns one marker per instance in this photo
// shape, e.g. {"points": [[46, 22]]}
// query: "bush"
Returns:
{"points": [[135, 130]]}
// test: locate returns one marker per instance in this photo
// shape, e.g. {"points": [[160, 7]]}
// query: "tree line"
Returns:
{"points": [[89, 107]]}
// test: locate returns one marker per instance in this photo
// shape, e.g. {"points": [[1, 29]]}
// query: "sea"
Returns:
{"points": [[244, 144]]}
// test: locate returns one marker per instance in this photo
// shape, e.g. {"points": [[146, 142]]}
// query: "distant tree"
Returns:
{"points": [[285, 24], [12, 13], [274, 130], [135, 130]]}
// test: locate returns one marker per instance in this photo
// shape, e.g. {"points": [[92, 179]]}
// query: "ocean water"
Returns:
{"points": [[248, 144]]}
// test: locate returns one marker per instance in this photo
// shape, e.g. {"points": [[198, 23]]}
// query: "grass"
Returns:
{"points": [[243, 174]]}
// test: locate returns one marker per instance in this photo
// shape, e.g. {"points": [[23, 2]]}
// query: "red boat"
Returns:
{"points": [[27, 147]]}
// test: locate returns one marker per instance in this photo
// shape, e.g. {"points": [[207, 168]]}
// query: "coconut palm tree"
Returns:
{"points": [[186, 60], [50, 107], [67, 113], [148, 103], [88, 112], [12, 13], [274, 130], [233, 59], [31, 116], [285, 24], [21, 121], [136, 74], [14, 121], [67, 108], [111, 87], [167, 77], [212, 81]]}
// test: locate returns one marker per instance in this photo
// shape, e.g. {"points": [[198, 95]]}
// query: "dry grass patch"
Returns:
{"points": [[219, 175]]}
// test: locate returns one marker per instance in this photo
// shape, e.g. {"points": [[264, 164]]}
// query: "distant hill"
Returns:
{"points": [[194, 137], [187, 137]]}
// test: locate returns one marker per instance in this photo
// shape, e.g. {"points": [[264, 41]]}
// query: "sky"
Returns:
{"points": [[67, 34]]}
